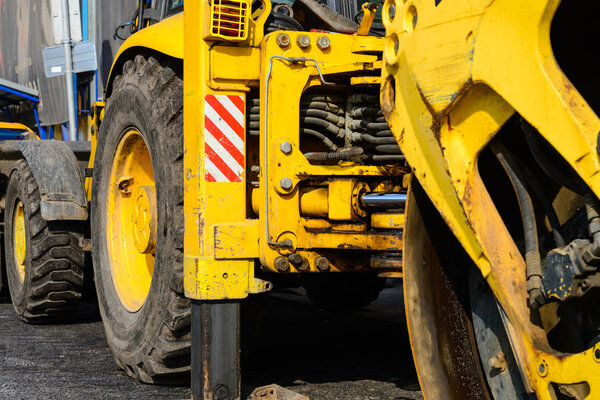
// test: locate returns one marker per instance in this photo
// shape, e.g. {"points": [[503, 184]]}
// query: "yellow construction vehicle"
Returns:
{"points": [[501, 242], [273, 157]]}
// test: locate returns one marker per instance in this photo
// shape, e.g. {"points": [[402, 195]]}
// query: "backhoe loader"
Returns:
{"points": [[495, 107], [271, 158]]}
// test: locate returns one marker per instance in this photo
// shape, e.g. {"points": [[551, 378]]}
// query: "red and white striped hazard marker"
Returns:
{"points": [[224, 120]]}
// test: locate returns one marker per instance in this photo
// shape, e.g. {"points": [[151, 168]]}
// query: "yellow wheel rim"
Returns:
{"points": [[131, 220], [19, 240]]}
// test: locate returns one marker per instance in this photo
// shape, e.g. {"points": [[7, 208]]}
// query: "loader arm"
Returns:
{"points": [[455, 73]]}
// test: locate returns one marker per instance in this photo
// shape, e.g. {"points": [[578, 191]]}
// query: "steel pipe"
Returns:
{"points": [[384, 200]]}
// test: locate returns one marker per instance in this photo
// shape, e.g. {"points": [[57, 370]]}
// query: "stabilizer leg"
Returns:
{"points": [[216, 350]]}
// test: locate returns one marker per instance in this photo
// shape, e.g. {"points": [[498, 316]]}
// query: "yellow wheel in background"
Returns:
{"points": [[131, 222], [44, 259], [20, 240]]}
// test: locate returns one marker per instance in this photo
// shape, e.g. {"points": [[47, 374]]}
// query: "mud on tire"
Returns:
{"points": [[52, 281], [152, 343]]}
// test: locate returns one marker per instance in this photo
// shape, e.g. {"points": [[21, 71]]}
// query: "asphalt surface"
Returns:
{"points": [[363, 355]]}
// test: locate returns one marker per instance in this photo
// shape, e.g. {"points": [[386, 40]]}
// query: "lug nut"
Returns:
{"points": [[281, 264], [303, 41], [286, 147], [283, 40], [322, 264], [323, 42], [286, 183]]}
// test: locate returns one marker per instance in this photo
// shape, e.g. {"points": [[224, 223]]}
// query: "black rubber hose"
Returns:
{"points": [[364, 98], [365, 112], [327, 98], [322, 114], [321, 105], [384, 133], [338, 155], [369, 126], [533, 260], [332, 146], [390, 157], [388, 149], [537, 188], [548, 166], [328, 126], [254, 110], [254, 117], [253, 124], [377, 140]]}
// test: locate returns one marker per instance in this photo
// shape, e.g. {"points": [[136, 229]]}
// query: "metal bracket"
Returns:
{"points": [[210, 279]]}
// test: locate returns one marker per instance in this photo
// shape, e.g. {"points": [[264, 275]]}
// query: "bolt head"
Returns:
{"points": [[286, 183], [282, 40], [286, 147], [322, 264], [281, 264], [323, 42], [303, 41], [295, 258]]}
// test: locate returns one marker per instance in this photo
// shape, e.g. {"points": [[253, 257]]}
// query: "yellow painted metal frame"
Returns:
{"points": [[221, 248], [205, 276], [454, 74], [288, 82]]}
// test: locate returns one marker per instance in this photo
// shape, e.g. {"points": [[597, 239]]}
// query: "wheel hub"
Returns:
{"points": [[143, 216], [131, 220], [20, 240]]}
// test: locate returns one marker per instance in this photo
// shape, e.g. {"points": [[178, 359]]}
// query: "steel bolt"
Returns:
{"points": [[323, 42], [304, 265], [303, 41], [281, 264], [221, 393], [295, 259], [286, 147], [283, 40], [286, 183], [322, 264]]}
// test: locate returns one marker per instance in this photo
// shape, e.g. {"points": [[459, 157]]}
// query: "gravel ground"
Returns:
{"points": [[325, 356]]}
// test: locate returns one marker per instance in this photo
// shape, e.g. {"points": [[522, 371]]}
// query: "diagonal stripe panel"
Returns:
{"points": [[224, 147]]}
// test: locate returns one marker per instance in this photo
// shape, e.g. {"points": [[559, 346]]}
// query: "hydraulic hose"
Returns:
{"points": [[390, 157], [328, 126], [533, 260], [369, 126], [374, 139], [537, 188], [321, 105], [338, 155], [332, 146], [324, 115], [388, 148]]}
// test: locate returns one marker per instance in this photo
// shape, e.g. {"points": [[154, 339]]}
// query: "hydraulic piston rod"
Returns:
{"points": [[384, 200]]}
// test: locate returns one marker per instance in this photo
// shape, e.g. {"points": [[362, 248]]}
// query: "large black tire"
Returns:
{"points": [[153, 343], [53, 280], [343, 291]]}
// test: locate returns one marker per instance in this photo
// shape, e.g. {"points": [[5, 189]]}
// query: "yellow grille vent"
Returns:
{"points": [[229, 19]]}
